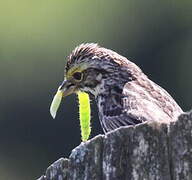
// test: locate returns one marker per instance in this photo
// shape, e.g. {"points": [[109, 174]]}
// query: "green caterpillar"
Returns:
{"points": [[84, 115], [84, 111]]}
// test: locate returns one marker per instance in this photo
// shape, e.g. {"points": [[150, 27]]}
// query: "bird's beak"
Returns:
{"points": [[67, 88]]}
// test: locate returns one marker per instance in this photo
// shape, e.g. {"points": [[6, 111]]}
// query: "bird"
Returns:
{"points": [[124, 95]]}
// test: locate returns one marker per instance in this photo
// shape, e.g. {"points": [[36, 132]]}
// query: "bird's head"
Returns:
{"points": [[94, 69]]}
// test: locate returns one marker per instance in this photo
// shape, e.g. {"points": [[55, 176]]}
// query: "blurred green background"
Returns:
{"points": [[35, 39]]}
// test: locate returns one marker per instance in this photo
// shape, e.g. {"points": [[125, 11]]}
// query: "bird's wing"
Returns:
{"points": [[146, 100], [140, 102], [122, 110]]}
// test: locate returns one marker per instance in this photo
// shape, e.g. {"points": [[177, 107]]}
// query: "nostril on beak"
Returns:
{"points": [[65, 85], [62, 85]]}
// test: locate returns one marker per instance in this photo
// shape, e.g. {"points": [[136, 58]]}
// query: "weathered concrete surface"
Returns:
{"points": [[149, 151]]}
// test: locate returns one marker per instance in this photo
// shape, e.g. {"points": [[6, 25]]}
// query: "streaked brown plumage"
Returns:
{"points": [[124, 94]]}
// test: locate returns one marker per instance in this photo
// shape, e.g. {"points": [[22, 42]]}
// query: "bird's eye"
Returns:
{"points": [[78, 76]]}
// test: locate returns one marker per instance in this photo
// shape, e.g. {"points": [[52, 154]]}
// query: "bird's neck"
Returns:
{"points": [[109, 101], [109, 93]]}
